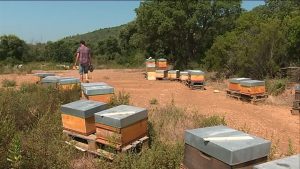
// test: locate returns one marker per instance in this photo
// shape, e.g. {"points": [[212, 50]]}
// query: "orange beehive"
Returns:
{"points": [[196, 76], [161, 64], [161, 74], [79, 116], [106, 98], [173, 74], [99, 93], [121, 125], [234, 83], [252, 87]]}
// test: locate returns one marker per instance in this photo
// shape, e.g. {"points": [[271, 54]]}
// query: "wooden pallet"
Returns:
{"points": [[295, 111], [246, 97], [91, 145], [195, 85]]}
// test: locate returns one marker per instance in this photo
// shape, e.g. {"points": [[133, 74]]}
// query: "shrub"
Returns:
{"points": [[276, 86], [153, 101], [8, 83], [212, 121], [119, 99]]}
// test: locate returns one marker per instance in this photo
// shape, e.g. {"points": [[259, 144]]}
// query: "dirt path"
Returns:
{"points": [[268, 121]]}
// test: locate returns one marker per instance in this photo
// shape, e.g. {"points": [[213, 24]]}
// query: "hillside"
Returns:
{"points": [[97, 35]]}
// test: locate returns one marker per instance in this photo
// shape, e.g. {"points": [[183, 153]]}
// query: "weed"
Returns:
{"points": [[291, 150], [274, 148], [153, 101], [8, 83], [245, 128], [276, 86], [213, 121], [119, 99]]}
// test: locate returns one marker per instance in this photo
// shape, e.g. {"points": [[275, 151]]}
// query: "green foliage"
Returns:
{"points": [[119, 99], [12, 48], [262, 42], [8, 83], [212, 121], [30, 133], [276, 86]]}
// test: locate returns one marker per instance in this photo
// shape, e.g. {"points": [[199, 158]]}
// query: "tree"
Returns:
{"points": [[12, 47]]}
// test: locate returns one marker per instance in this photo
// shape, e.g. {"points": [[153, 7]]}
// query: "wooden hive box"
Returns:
{"points": [[151, 75], [292, 162], [79, 116], [84, 85], [196, 76], [121, 125], [161, 74], [99, 93], [220, 147], [162, 63], [252, 87], [173, 74], [50, 81], [234, 83], [43, 75], [68, 83], [297, 92], [184, 75]]}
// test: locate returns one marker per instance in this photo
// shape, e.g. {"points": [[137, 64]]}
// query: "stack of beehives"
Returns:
{"points": [[98, 91], [296, 104], [220, 147], [150, 69]]}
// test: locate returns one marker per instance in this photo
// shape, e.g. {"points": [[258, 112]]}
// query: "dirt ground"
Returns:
{"points": [[271, 121]]}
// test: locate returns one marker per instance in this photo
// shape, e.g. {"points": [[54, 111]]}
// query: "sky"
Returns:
{"points": [[42, 21]]}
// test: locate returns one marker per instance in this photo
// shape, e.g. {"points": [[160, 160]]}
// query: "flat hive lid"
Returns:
{"points": [[121, 116], [68, 80], [44, 74], [98, 90], [228, 145], [160, 71], [196, 72], [83, 108], [184, 73], [251, 83], [238, 80], [83, 85], [51, 79], [173, 71], [162, 60], [292, 162]]}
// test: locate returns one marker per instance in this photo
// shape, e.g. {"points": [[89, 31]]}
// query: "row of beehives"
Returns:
{"points": [[247, 86]]}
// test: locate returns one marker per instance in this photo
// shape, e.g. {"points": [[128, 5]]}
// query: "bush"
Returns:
{"points": [[153, 101], [276, 86], [8, 83], [121, 98], [212, 121]]}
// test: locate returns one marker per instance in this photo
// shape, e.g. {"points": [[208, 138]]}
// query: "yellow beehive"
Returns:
{"points": [[173, 74], [151, 75], [161, 74], [184, 75]]}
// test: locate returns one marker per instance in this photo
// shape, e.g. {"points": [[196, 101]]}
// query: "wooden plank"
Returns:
{"points": [[100, 98], [82, 125]]}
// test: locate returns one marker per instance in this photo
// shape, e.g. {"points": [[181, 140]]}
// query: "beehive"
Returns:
{"points": [[173, 74], [43, 75], [162, 64], [68, 83], [99, 93], [196, 76], [161, 74], [234, 83], [150, 65], [50, 81], [83, 85], [252, 87], [220, 147], [292, 162], [184, 75], [151, 75], [297, 92], [79, 116], [121, 125]]}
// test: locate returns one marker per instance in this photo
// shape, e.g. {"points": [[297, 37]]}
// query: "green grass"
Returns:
{"points": [[276, 86], [8, 83]]}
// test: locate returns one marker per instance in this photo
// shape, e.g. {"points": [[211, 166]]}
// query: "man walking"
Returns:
{"points": [[84, 57]]}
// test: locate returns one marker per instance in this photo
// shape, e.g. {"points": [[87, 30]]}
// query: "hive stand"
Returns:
{"points": [[247, 97], [91, 145], [195, 85]]}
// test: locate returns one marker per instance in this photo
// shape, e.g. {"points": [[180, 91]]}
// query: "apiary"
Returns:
{"points": [[184, 75], [292, 162], [196, 76], [151, 75], [150, 65], [220, 147], [68, 83], [173, 74], [50, 81], [161, 64], [43, 75], [161, 74], [252, 87], [234, 83], [121, 125], [79, 116], [99, 93]]}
